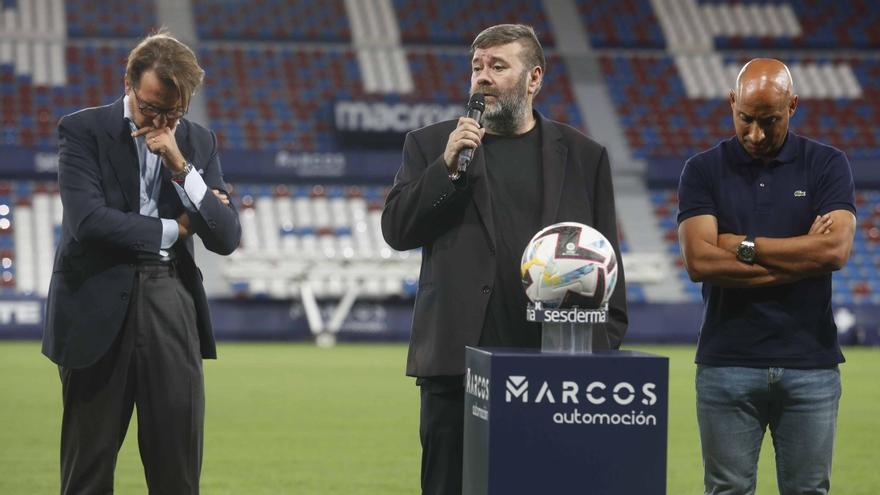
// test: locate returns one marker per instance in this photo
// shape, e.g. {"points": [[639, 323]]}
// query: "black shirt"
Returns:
{"points": [[516, 183], [789, 325]]}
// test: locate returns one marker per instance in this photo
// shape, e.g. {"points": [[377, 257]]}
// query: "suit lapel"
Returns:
{"points": [[482, 195], [123, 155], [553, 163]]}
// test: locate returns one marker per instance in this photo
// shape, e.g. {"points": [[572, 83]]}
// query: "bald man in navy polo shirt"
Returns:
{"points": [[764, 219]]}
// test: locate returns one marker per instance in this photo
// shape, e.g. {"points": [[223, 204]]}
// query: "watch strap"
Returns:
{"points": [[180, 177]]}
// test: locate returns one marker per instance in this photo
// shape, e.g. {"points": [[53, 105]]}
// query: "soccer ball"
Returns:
{"points": [[569, 265]]}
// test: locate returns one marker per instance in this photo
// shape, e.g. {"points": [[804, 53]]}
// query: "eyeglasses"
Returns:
{"points": [[152, 112]]}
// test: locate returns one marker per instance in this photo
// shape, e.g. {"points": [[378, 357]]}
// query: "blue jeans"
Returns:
{"points": [[735, 406]]}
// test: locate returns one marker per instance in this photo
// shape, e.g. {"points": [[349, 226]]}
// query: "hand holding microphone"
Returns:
{"points": [[465, 138]]}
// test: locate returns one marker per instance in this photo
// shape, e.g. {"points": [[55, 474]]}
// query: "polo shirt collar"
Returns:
{"points": [[787, 154]]}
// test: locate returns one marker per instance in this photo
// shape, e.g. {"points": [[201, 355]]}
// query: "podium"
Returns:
{"points": [[547, 423]]}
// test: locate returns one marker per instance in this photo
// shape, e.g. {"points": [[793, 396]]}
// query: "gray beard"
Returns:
{"points": [[507, 115]]}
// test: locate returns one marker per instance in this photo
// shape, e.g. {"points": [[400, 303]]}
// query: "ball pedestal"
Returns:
{"points": [[566, 331], [561, 423]]}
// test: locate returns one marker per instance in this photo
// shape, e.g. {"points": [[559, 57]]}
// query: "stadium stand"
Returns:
{"points": [[621, 23], [327, 237], [282, 20], [30, 220], [269, 98], [30, 111], [662, 121], [454, 22], [823, 25], [273, 97], [110, 18], [665, 204]]}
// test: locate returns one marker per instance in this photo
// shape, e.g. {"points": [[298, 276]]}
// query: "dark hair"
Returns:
{"points": [[502, 34], [173, 62]]}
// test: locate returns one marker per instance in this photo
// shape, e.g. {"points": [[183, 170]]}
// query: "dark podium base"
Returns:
{"points": [[565, 424]]}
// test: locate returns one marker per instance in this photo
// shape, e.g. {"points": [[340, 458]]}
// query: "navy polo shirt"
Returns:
{"points": [[789, 325]]}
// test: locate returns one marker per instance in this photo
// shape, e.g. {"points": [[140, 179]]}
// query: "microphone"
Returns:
{"points": [[475, 107]]}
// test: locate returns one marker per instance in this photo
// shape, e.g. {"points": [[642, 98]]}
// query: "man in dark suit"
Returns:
{"points": [[127, 318], [528, 172]]}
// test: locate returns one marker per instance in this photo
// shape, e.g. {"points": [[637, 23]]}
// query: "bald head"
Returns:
{"points": [[762, 106], [764, 76]]}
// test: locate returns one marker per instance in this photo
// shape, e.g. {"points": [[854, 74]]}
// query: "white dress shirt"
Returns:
{"points": [[191, 194]]}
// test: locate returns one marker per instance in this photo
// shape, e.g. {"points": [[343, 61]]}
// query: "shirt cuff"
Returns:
{"points": [[193, 191], [169, 233]]}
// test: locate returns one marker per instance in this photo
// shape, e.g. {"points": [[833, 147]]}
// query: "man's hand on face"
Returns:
{"points": [[160, 141]]}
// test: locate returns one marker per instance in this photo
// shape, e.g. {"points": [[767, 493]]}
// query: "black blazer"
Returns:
{"points": [[102, 231], [455, 229]]}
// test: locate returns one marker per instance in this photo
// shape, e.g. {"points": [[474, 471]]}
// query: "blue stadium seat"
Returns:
{"points": [[662, 122], [267, 20], [269, 98], [621, 23], [848, 24], [110, 18], [455, 22]]}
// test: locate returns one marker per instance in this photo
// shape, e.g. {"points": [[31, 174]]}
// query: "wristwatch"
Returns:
{"points": [[180, 177], [746, 251]]}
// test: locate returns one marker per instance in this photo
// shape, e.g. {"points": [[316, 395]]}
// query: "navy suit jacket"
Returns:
{"points": [[454, 226], [102, 231]]}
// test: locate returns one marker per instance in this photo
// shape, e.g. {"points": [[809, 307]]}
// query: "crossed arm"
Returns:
{"points": [[710, 257], [91, 219]]}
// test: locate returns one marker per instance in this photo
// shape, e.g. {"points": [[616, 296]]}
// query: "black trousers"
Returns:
{"points": [[441, 431], [154, 364]]}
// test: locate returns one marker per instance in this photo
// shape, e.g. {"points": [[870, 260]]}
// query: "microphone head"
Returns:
{"points": [[477, 102]]}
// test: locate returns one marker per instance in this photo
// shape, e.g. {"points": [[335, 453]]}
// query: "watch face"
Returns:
{"points": [[746, 253]]}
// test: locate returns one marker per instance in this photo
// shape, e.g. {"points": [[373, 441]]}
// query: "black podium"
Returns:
{"points": [[544, 423]]}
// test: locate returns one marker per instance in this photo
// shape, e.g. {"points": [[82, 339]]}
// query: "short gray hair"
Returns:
{"points": [[502, 34]]}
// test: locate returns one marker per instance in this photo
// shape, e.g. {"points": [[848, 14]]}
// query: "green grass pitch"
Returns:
{"points": [[296, 419]]}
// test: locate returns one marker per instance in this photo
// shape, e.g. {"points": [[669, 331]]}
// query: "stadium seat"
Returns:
{"points": [[272, 20], [326, 236], [110, 18], [273, 97], [621, 23], [662, 121], [455, 22]]}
